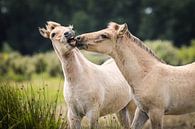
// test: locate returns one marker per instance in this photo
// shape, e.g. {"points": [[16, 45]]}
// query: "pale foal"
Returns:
{"points": [[90, 90], [158, 88]]}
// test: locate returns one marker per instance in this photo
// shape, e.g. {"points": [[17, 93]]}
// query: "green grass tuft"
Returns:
{"points": [[26, 108]]}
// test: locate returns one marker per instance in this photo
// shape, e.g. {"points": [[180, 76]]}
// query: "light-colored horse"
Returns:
{"points": [[158, 88], [90, 90]]}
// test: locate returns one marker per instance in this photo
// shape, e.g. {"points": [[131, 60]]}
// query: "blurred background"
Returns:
{"points": [[172, 20], [166, 26]]}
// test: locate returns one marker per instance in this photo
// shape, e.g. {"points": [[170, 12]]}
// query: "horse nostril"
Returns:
{"points": [[67, 34], [78, 38]]}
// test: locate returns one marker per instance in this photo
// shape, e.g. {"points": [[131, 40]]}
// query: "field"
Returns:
{"points": [[41, 89], [51, 88], [31, 95]]}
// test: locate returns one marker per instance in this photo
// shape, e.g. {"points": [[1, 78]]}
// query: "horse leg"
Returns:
{"points": [[124, 118], [131, 109], [93, 116], [156, 118], [74, 120], [139, 120]]}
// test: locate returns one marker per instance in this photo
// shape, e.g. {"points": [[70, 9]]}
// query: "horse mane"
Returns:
{"points": [[143, 46]]}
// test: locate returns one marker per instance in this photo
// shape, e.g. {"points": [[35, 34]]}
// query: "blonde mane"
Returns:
{"points": [[143, 46]]}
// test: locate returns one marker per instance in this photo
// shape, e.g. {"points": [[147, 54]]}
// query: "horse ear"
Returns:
{"points": [[51, 25], [113, 25], [122, 29], [44, 32]]}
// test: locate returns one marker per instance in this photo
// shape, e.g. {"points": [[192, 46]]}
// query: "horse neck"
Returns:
{"points": [[133, 61], [74, 64]]}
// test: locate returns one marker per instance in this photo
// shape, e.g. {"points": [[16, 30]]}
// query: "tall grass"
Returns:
{"points": [[25, 108]]}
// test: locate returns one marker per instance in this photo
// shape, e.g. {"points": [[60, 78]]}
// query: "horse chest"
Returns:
{"points": [[76, 102], [79, 98], [75, 95]]}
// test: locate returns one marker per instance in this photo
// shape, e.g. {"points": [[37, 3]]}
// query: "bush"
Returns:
{"points": [[14, 66], [187, 54], [21, 67], [40, 63], [53, 65], [165, 50], [3, 68], [6, 48], [173, 55], [22, 108]]}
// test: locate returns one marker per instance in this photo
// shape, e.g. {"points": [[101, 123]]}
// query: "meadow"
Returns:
{"points": [[31, 95]]}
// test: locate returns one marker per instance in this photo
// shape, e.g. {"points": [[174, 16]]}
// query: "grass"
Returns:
{"points": [[27, 108], [39, 104]]}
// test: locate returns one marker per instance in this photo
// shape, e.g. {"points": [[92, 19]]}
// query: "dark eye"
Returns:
{"points": [[53, 34], [104, 36]]}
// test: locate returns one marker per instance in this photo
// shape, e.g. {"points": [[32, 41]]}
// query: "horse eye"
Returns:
{"points": [[104, 36], [53, 34]]}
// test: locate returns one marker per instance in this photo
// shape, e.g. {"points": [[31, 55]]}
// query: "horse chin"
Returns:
{"points": [[70, 40], [72, 43], [81, 45]]}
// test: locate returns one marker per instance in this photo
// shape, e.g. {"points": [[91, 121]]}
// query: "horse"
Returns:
{"points": [[158, 88], [89, 90]]}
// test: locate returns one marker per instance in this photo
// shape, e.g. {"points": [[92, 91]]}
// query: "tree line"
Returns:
{"points": [[147, 19]]}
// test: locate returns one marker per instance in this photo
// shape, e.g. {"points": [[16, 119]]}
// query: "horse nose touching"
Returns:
{"points": [[80, 42], [69, 34], [79, 38]]}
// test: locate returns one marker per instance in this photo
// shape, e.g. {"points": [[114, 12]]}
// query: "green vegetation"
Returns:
{"points": [[171, 54], [14, 66], [23, 107], [37, 105]]}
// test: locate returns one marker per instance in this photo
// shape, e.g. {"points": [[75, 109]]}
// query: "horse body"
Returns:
{"points": [[89, 90], [103, 85], [166, 87], [158, 88], [179, 83], [115, 88]]}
